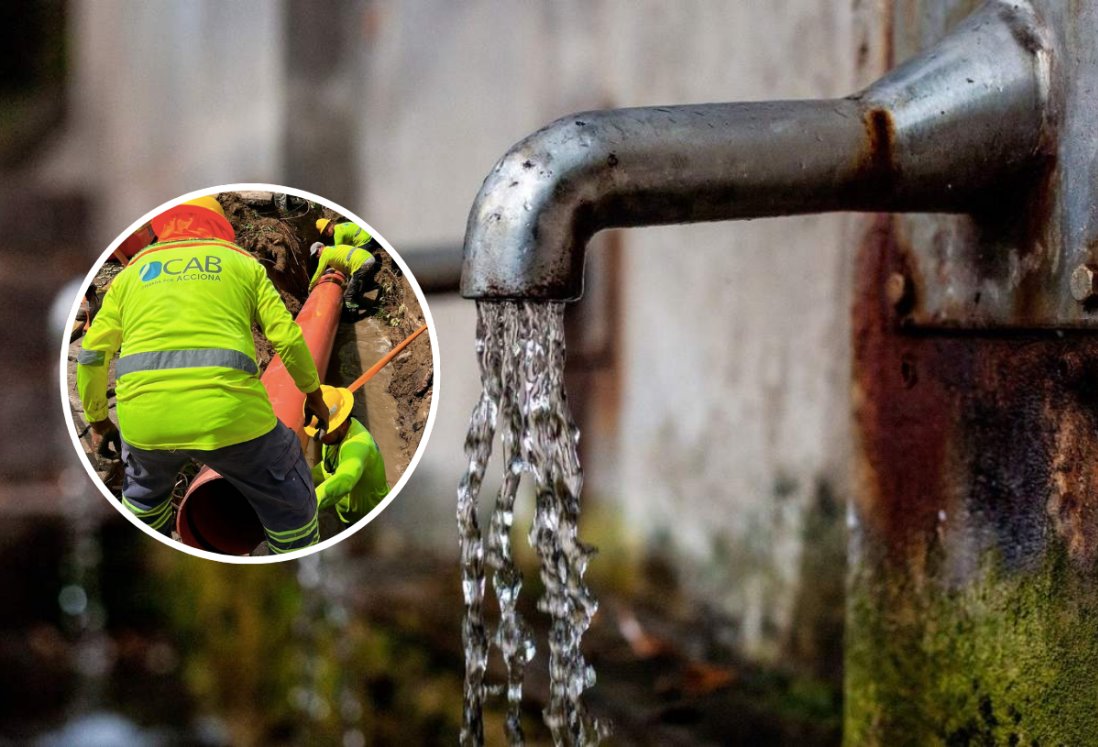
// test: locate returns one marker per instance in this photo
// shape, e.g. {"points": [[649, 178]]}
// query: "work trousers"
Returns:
{"points": [[269, 471], [361, 280]]}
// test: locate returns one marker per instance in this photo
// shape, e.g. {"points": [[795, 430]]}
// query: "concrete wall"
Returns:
{"points": [[167, 98], [732, 431], [728, 438]]}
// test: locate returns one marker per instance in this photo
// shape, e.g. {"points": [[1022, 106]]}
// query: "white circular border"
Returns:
{"points": [[63, 378]]}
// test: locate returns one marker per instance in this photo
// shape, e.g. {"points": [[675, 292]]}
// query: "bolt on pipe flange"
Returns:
{"points": [[1084, 283]]}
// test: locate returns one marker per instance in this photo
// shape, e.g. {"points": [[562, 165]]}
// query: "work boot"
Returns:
{"points": [[351, 311]]}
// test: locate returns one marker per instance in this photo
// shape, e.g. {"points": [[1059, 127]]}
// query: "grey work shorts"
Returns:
{"points": [[269, 471]]}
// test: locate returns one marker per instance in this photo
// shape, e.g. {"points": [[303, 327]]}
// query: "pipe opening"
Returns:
{"points": [[214, 516]]}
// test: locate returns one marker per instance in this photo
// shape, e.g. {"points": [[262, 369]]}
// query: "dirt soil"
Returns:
{"points": [[413, 371], [276, 243], [665, 675], [279, 234], [281, 242]]}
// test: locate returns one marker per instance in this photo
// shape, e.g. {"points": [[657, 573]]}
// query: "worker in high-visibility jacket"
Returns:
{"points": [[347, 252], [351, 472], [187, 382], [352, 234]]}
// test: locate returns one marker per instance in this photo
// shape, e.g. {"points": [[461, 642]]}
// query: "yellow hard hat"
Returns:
{"points": [[321, 224], [209, 202], [339, 401]]}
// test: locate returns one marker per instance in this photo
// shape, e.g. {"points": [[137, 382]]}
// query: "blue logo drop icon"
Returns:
{"points": [[150, 271]]}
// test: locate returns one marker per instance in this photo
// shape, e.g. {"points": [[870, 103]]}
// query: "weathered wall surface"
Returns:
{"points": [[167, 98], [162, 99], [974, 608], [715, 419], [973, 597], [729, 441], [717, 426]]}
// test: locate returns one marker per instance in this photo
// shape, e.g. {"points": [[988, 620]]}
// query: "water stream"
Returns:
{"points": [[520, 348]]}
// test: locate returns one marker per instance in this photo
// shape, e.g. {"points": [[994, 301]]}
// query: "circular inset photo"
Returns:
{"points": [[249, 373]]}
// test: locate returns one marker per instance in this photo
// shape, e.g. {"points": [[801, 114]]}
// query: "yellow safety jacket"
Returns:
{"points": [[182, 314], [351, 475], [350, 233], [343, 257]]}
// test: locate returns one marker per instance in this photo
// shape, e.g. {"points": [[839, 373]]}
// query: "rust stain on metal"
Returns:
{"points": [[900, 420], [1036, 237], [879, 160], [1071, 505], [992, 434], [1021, 29]]}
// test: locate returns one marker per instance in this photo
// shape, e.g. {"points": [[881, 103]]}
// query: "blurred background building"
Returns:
{"points": [[709, 365]]}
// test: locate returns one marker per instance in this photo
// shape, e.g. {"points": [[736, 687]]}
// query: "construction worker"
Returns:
{"points": [[354, 262], [352, 234], [187, 383], [351, 472], [359, 267]]}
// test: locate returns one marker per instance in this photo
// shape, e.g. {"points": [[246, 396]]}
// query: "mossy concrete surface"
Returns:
{"points": [[1006, 659], [972, 609]]}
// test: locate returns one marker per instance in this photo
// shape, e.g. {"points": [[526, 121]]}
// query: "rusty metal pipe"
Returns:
{"points": [[437, 269], [944, 132], [213, 514]]}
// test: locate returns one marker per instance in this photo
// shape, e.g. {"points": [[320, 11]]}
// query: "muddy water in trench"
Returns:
{"points": [[358, 347], [520, 347]]}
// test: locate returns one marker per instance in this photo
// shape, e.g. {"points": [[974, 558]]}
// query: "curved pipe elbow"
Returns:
{"points": [[532, 217]]}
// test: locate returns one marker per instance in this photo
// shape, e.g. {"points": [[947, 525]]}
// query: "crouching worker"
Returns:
{"points": [[332, 233], [348, 254], [355, 263], [351, 473], [187, 381]]}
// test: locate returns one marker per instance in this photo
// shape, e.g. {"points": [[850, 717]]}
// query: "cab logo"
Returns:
{"points": [[179, 269]]}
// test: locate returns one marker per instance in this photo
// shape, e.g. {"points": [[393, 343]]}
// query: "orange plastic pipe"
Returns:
{"points": [[213, 515], [318, 319], [134, 243], [369, 373]]}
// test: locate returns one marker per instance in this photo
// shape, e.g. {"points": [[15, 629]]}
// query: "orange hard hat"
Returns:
{"points": [[200, 217]]}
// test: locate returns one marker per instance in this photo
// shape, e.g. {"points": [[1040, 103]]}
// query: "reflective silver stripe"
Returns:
{"points": [[162, 359], [91, 357]]}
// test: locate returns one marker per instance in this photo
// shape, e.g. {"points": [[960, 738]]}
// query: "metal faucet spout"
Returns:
{"points": [[946, 132]]}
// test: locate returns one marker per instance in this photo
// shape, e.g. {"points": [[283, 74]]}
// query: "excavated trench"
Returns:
{"points": [[356, 347], [393, 405]]}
